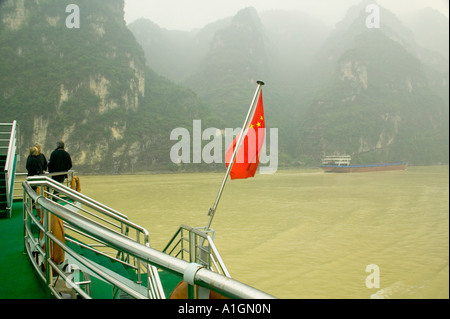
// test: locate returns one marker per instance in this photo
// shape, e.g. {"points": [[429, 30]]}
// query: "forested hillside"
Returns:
{"points": [[88, 86]]}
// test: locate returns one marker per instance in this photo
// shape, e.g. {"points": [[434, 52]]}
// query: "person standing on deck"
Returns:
{"points": [[59, 161], [41, 157], [33, 165]]}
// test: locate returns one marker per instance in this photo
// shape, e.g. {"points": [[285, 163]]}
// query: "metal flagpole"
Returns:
{"points": [[212, 210]]}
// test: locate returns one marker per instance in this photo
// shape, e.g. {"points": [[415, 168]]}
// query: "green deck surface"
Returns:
{"points": [[17, 278], [102, 290], [19, 281]]}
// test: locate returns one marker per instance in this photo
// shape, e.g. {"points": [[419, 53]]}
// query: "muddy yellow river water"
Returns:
{"points": [[305, 233]]}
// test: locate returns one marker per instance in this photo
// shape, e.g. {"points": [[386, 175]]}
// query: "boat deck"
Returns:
{"points": [[103, 262], [17, 278]]}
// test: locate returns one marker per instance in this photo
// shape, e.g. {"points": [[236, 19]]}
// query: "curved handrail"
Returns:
{"points": [[193, 273], [85, 200]]}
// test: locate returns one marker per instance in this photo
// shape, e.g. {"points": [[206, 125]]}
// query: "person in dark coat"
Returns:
{"points": [[42, 158], [33, 164], [59, 161]]}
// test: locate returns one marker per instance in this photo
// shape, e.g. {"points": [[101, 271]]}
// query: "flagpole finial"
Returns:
{"points": [[260, 82]]}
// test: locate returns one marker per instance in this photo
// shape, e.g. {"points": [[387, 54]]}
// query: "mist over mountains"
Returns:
{"points": [[377, 94], [115, 92]]}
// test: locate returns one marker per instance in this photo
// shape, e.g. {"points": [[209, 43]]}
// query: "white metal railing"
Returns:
{"points": [[96, 213], [9, 138], [20, 177], [195, 274], [195, 245]]}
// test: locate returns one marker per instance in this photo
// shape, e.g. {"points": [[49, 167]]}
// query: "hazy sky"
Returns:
{"points": [[190, 14]]}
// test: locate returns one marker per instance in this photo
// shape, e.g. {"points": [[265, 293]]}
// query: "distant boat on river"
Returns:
{"points": [[341, 164]]}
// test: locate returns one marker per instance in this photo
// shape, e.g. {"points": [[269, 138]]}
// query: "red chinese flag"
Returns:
{"points": [[247, 157]]}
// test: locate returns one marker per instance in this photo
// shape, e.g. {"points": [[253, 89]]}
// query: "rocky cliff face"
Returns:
{"points": [[86, 85], [377, 105], [15, 14], [78, 76]]}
